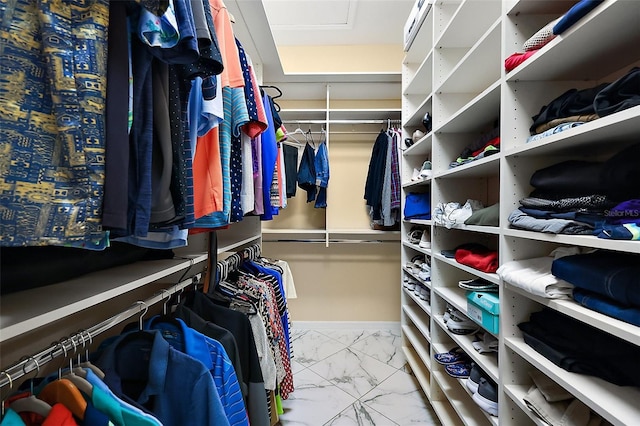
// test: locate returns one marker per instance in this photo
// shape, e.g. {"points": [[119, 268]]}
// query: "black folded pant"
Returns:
{"points": [[581, 348]]}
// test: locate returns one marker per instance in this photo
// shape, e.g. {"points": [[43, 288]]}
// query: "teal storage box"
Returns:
{"points": [[484, 308]]}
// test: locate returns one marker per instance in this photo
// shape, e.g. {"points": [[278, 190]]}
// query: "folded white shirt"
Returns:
{"points": [[534, 275]]}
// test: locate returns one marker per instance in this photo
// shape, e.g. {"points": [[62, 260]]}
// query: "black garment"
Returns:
{"points": [[307, 173], [222, 335], [162, 209], [621, 94], [570, 103], [238, 324], [140, 141], [181, 174], [581, 348], [621, 174], [236, 214], [570, 178], [277, 121], [375, 175], [209, 61], [291, 168], [115, 203]]}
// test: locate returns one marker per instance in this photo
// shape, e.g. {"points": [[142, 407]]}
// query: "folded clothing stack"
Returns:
{"points": [[606, 282], [553, 404], [580, 348]]}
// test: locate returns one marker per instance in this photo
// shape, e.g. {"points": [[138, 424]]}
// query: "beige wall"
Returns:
{"points": [[347, 281], [342, 282], [379, 58]]}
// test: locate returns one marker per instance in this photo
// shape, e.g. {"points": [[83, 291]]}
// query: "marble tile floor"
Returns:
{"points": [[353, 377]]}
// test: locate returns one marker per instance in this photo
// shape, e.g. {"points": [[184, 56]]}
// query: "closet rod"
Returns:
{"points": [[336, 121], [79, 340], [331, 241]]}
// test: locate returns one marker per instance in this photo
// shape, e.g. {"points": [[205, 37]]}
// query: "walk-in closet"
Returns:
{"points": [[344, 212]]}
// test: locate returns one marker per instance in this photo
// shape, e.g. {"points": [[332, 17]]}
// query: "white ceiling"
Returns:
{"points": [[337, 22], [262, 24]]}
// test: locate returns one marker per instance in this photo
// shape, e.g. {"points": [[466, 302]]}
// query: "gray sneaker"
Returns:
{"points": [[487, 396]]}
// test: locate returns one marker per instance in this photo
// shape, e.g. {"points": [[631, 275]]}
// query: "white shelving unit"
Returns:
{"points": [[456, 73]]}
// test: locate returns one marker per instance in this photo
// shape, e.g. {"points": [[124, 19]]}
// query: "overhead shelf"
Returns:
{"points": [[610, 31], [488, 166], [28, 310], [621, 329], [482, 109], [576, 240], [468, 23], [615, 129], [482, 62]]}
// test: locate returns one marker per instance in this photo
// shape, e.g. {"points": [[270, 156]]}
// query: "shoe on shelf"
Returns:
{"points": [[410, 285], [417, 135], [485, 343], [414, 236], [487, 396], [477, 284], [447, 313], [425, 170], [427, 122], [425, 240], [461, 325], [460, 370], [415, 175], [473, 381], [424, 294], [454, 356]]}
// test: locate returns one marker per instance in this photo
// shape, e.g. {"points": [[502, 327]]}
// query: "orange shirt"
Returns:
{"points": [[207, 175], [232, 74]]}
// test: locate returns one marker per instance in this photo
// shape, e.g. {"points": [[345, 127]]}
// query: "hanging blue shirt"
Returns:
{"points": [[175, 387], [213, 355]]}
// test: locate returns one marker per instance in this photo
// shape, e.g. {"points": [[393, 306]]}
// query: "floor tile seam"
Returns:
{"points": [[372, 357], [326, 334], [337, 384], [379, 413], [368, 408]]}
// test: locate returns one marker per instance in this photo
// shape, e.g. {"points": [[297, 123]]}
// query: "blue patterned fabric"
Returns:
{"points": [[52, 132]]}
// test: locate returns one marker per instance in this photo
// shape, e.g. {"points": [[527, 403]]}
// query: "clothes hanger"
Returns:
{"points": [[10, 389], [63, 391], [29, 404], [277, 89], [311, 138], [81, 383], [80, 369]]}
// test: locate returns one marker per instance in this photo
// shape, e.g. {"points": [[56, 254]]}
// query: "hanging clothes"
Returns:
{"points": [[269, 151], [53, 178], [238, 324], [321, 163], [175, 387], [291, 167], [375, 176], [307, 173], [213, 356]]}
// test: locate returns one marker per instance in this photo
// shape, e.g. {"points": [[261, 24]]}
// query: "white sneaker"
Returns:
{"points": [[425, 240], [410, 285], [425, 171], [415, 236], [417, 135], [415, 175]]}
